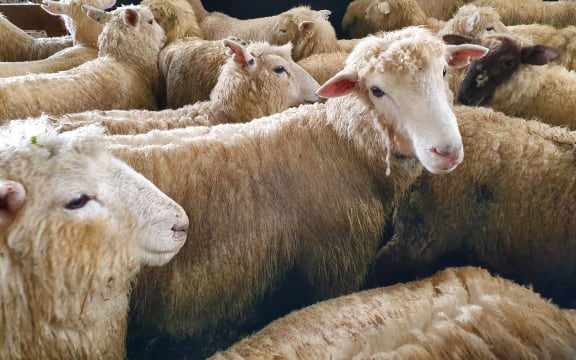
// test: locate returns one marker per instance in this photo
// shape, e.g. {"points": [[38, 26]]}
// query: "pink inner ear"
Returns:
{"points": [[463, 57], [336, 88], [238, 54], [131, 17], [12, 196]]}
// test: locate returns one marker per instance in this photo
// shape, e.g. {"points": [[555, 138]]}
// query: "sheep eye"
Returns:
{"points": [[279, 69], [151, 21], [78, 202], [377, 92], [283, 31], [509, 63], [490, 28], [444, 72]]}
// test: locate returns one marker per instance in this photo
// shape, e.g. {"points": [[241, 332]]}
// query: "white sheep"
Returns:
{"points": [[308, 30], [509, 79], [516, 12], [17, 45], [257, 80], [122, 77], [508, 207], [469, 20], [176, 17], [253, 192], [76, 225], [84, 30], [459, 313]]}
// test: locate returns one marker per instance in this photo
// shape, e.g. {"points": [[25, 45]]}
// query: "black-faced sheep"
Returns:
{"points": [[509, 79], [76, 225], [122, 77], [17, 45], [84, 30], [509, 207], [256, 81], [459, 313], [261, 197]]}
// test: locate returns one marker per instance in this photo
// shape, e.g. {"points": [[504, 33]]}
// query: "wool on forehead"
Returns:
{"points": [[406, 51]]}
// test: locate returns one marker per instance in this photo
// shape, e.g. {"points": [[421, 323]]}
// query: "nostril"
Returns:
{"points": [[447, 151], [180, 227]]}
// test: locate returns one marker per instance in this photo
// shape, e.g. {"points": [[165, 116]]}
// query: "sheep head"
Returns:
{"points": [[400, 77]]}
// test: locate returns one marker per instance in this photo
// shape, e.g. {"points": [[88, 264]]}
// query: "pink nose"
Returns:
{"points": [[449, 154]]}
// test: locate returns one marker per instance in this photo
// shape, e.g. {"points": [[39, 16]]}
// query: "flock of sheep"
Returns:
{"points": [[181, 182]]}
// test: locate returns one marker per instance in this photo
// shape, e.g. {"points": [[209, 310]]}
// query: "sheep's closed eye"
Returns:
{"points": [[377, 92], [283, 31], [78, 202]]}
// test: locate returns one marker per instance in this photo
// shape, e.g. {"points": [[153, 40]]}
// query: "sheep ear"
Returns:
{"points": [[456, 39], [462, 55], [55, 7], [339, 85], [384, 7], [307, 27], [97, 15], [130, 17], [325, 13], [471, 21], [538, 55], [237, 49], [12, 196]]}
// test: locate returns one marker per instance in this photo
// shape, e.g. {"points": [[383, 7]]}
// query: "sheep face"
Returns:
{"points": [[71, 203], [400, 77], [271, 71], [501, 63]]}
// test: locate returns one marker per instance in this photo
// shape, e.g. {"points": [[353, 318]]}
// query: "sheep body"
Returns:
{"points": [[516, 12], [70, 247], [17, 45], [507, 208], [249, 86], [459, 313], [126, 67], [270, 163]]}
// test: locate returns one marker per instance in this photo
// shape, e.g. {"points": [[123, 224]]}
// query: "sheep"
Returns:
{"points": [[176, 17], [85, 33], [123, 76], [516, 12], [323, 66], [459, 313], [74, 232], [443, 9], [17, 45], [308, 30], [255, 185], [186, 59], [508, 80], [509, 207], [249, 86]]}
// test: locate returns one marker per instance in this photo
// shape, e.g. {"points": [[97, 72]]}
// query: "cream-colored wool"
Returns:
{"points": [[308, 30], [17, 45], [509, 207], [323, 66], [122, 77], [260, 195], [84, 30], [245, 90], [176, 17], [441, 9], [459, 313], [517, 12], [76, 225]]}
